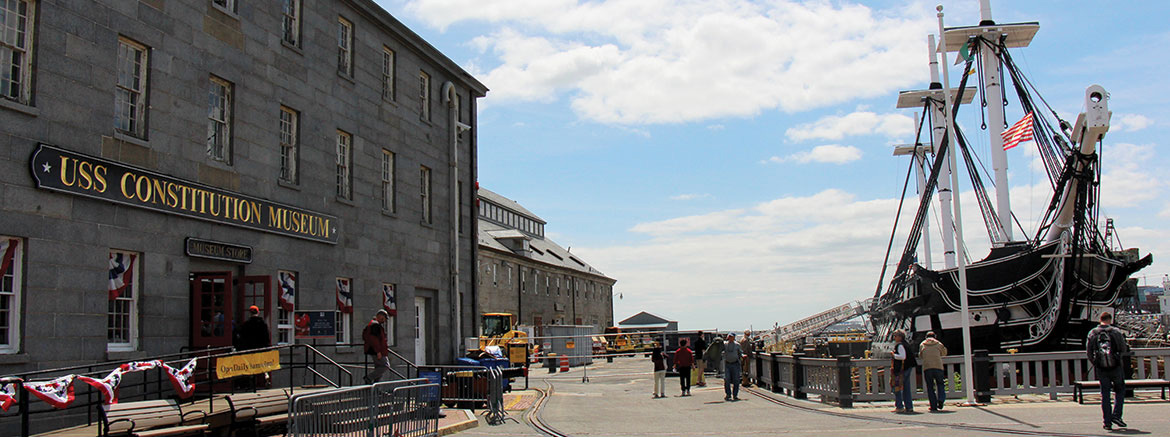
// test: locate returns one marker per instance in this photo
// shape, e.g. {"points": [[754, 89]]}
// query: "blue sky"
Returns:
{"points": [[729, 161]]}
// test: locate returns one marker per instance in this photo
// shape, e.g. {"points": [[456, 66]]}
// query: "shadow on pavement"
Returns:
{"points": [[1013, 419]]}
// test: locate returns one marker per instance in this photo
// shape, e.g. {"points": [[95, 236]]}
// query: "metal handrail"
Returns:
{"points": [[326, 357]]}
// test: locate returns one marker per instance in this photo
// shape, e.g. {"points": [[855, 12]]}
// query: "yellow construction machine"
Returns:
{"points": [[499, 329]]}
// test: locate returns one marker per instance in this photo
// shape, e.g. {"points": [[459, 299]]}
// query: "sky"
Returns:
{"points": [[729, 162]]}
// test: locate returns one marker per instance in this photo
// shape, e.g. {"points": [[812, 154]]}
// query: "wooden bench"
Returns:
{"points": [[1080, 386], [159, 418], [265, 410]]}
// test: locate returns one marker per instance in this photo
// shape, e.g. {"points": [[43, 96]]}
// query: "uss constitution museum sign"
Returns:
{"points": [[61, 170]]}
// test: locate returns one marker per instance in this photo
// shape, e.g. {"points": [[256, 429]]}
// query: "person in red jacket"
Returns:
{"points": [[374, 337], [684, 358]]}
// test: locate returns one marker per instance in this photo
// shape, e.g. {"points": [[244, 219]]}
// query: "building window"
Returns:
{"points": [[289, 144], [11, 291], [219, 120], [344, 47], [344, 156], [424, 180], [130, 92], [291, 22], [387, 73], [344, 309], [122, 317], [387, 181], [286, 305], [228, 6], [424, 96], [16, 40]]}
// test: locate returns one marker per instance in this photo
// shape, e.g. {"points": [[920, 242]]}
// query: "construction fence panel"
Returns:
{"points": [[335, 413]]}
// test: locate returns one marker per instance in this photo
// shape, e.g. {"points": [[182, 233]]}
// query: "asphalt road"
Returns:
{"points": [[616, 401]]}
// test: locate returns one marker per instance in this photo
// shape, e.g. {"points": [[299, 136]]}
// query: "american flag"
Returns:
{"points": [[1018, 133], [344, 296], [288, 290], [121, 267]]}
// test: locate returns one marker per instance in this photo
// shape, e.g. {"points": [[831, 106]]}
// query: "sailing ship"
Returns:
{"points": [[1041, 292]]}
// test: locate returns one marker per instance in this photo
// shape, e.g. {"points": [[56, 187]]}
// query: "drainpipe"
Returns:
{"points": [[450, 99]]}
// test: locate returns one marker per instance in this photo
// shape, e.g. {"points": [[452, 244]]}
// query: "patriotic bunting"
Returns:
{"points": [[108, 386], [7, 395], [139, 366], [121, 269], [344, 296], [181, 378], [8, 247], [388, 301], [58, 392], [1018, 133], [288, 290]]}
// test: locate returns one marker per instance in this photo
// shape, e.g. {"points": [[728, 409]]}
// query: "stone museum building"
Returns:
{"points": [[166, 164], [524, 273]]}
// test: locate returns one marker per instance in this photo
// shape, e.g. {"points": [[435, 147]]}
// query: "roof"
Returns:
{"points": [[543, 251], [505, 202], [643, 318], [647, 326]]}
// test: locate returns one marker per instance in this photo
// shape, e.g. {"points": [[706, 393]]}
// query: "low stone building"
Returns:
{"points": [[524, 273]]}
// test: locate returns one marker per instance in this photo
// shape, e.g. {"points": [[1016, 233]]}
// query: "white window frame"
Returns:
{"points": [[290, 22], [344, 322], [424, 95], [228, 6], [290, 144], [344, 47], [344, 165], [18, 87], [135, 288], [284, 319], [424, 176], [12, 291], [130, 90], [388, 63], [219, 120], [388, 200]]}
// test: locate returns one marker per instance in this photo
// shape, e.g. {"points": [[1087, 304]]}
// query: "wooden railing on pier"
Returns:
{"points": [[843, 380]]}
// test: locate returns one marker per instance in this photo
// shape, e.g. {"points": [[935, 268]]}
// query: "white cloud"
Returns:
{"points": [[670, 61], [715, 127], [835, 127], [690, 196], [1130, 122], [828, 154], [1127, 179]]}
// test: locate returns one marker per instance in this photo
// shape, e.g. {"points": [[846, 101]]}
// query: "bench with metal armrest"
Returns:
{"points": [[1080, 386], [266, 410], [158, 418]]}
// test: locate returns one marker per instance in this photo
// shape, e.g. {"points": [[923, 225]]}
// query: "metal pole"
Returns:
{"points": [[965, 315]]}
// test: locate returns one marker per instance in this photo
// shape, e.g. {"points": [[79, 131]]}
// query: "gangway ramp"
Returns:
{"points": [[817, 323]]}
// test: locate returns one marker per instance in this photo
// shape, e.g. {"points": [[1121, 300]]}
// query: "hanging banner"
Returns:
{"points": [[247, 364], [57, 169]]}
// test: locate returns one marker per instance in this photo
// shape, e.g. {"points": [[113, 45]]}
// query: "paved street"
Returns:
{"points": [[617, 402]]}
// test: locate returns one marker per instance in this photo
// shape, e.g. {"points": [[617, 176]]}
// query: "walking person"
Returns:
{"points": [[659, 371], [700, 361], [1107, 349], [746, 345], [684, 358], [732, 356], [903, 366], [253, 334], [374, 337], [931, 353]]}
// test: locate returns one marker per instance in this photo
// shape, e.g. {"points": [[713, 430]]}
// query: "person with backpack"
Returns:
{"points": [[1107, 348], [374, 337], [903, 366]]}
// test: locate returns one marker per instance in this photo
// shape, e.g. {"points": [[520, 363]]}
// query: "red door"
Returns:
{"points": [[211, 309], [254, 290]]}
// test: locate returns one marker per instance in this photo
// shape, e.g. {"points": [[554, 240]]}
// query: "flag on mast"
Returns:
{"points": [[1018, 133]]}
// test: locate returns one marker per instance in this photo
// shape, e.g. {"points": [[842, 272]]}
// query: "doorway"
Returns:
{"points": [[420, 330], [219, 303]]}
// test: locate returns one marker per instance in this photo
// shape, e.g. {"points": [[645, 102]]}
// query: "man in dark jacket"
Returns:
{"points": [[700, 361], [374, 337], [253, 334], [1108, 351]]}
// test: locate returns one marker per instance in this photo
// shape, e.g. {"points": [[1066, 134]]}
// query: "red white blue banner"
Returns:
{"points": [[7, 395], [108, 386], [344, 296], [121, 272], [58, 392], [181, 378], [388, 301], [8, 247], [288, 290]]}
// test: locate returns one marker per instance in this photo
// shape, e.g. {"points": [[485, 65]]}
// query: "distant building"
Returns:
{"points": [[524, 273]]}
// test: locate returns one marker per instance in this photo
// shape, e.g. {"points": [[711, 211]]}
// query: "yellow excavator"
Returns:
{"points": [[499, 329]]}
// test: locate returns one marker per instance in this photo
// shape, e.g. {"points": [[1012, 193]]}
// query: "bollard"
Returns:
{"points": [[775, 372], [844, 381], [798, 376], [981, 364], [551, 363]]}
